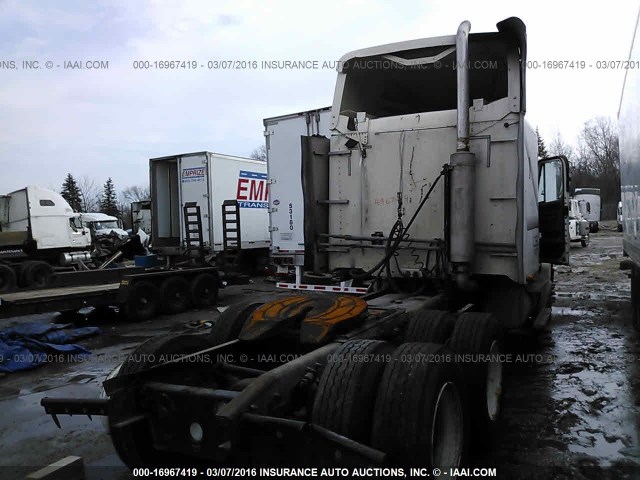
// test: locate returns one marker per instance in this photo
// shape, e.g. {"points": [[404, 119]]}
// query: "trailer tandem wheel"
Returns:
{"points": [[7, 278], [133, 442], [142, 301], [36, 273], [480, 336], [174, 292], [231, 321], [204, 290], [420, 414], [430, 326], [344, 401]]}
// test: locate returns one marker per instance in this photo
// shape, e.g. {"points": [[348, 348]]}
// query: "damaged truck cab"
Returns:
{"points": [[397, 121], [428, 197]]}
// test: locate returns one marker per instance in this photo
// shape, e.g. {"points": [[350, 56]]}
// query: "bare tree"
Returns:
{"points": [[124, 206], [259, 153], [597, 162], [598, 147], [89, 193], [559, 147], [136, 193]]}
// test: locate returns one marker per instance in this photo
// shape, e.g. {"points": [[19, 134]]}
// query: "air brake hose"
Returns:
{"points": [[392, 250]]}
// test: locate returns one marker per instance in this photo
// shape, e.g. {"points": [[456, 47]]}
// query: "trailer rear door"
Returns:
{"points": [[194, 187]]}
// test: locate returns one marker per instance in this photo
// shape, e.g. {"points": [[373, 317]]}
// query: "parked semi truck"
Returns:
{"points": [[437, 207], [38, 230], [591, 198], [629, 135], [578, 226], [141, 216]]}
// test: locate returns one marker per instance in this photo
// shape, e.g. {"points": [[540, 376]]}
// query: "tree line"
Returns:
{"points": [[594, 162], [84, 195]]}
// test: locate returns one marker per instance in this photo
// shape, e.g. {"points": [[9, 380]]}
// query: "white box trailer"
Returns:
{"points": [[208, 179], [286, 137], [629, 134]]}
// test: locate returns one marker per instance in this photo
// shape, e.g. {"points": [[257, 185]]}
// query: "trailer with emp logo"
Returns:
{"points": [[207, 180]]}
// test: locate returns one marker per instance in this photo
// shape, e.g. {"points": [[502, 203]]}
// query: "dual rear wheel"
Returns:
{"points": [[30, 274], [429, 397]]}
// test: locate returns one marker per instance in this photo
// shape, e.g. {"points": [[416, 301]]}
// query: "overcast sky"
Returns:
{"points": [[109, 122]]}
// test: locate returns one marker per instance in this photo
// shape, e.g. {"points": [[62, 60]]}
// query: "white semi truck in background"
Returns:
{"points": [[141, 216], [38, 230], [206, 180], [629, 135], [428, 196], [578, 225], [592, 206]]}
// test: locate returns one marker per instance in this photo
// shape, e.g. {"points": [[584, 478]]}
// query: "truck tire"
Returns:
{"points": [[204, 290], [635, 297], [430, 326], [36, 274], [175, 293], [7, 278], [585, 242], [343, 402], [480, 333], [142, 301], [133, 443], [231, 321], [420, 414]]}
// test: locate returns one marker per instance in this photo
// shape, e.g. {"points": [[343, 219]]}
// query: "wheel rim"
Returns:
{"points": [[494, 382], [447, 428], [39, 279]]}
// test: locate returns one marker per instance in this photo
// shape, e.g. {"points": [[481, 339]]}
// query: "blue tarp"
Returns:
{"points": [[28, 345]]}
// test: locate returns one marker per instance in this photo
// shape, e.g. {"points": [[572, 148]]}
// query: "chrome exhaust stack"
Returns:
{"points": [[463, 174], [462, 70]]}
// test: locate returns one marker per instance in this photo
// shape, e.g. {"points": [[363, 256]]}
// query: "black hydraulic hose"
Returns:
{"points": [[398, 224]]}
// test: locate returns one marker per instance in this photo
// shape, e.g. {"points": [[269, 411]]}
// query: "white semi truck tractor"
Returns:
{"points": [[428, 199], [38, 231]]}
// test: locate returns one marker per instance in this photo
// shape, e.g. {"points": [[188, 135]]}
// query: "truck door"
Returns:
{"points": [[553, 210]]}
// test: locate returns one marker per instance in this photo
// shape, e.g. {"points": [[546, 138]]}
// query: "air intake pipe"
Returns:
{"points": [[463, 173]]}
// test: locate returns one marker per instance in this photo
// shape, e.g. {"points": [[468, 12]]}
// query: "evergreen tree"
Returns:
{"points": [[71, 193], [542, 148], [109, 204]]}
